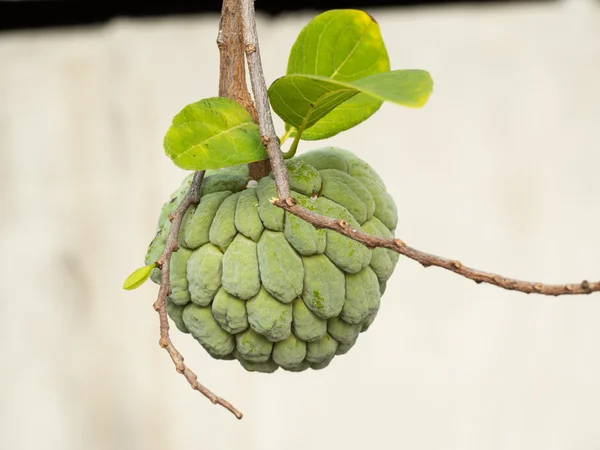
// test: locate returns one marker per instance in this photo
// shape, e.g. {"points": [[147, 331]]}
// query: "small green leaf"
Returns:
{"points": [[213, 133], [304, 100], [344, 45], [138, 277]]}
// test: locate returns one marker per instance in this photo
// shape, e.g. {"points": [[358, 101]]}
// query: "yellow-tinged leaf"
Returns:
{"points": [[342, 45], [303, 100], [213, 133], [138, 277]]}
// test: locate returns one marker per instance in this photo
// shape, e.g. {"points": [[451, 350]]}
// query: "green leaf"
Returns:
{"points": [[304, 100], [213, 133], [138, 277], [346, 116], [344, 45]]}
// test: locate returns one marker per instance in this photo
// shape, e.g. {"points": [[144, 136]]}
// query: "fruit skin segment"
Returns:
{"points": [[281, 270], [257, 284]]}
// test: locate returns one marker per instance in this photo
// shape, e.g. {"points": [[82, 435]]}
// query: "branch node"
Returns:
{"points": [[250, 48], [343, 223], [399, 243], [457, 264], [585, 284], [266, 140], [290, 201]]}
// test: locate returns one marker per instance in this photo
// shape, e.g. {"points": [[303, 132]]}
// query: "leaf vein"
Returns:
{"points": [[336, 71]]}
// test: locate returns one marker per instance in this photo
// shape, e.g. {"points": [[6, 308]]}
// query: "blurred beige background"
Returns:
{"points": [[500, 170]]}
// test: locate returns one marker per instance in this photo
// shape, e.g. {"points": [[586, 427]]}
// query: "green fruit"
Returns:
{"points": [[257, 284]]}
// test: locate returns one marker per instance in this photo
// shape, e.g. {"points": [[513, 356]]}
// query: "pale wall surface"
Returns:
{"points": [[500, 170]]}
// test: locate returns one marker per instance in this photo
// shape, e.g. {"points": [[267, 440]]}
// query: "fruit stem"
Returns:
{"points": [[286, 135], [292, 151]]}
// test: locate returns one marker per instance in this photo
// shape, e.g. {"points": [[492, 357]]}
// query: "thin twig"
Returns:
{"points": [[261, 100], [164, 263], [427, 259]]}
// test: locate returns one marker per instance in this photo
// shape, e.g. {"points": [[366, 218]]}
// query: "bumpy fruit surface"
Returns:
{"points": [[257, 284]]}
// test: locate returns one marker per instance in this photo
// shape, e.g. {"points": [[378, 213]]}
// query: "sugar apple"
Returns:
{"points": [[254, 283]]}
